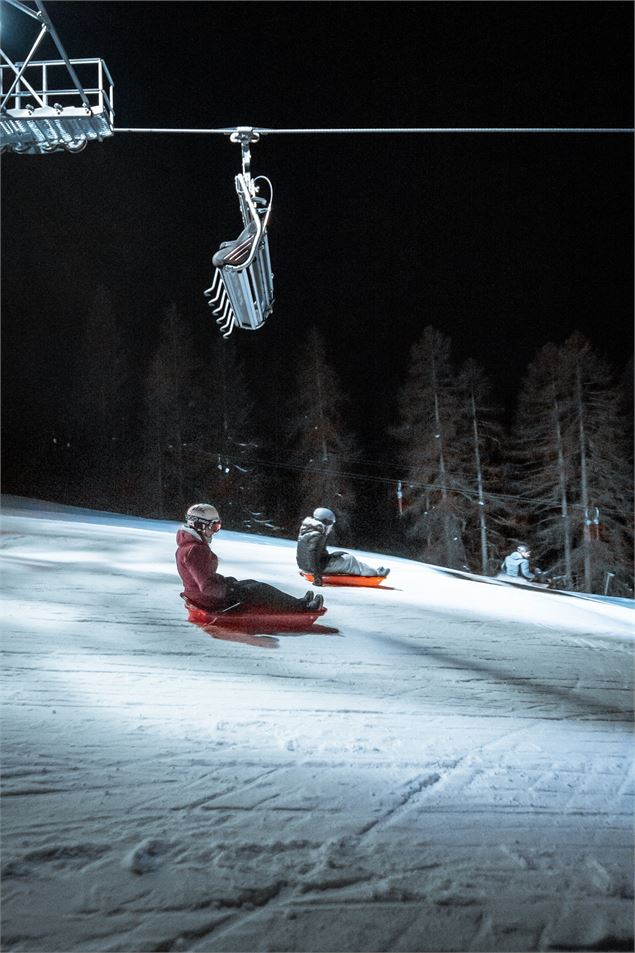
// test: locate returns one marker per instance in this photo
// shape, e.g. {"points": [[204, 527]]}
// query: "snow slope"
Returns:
{"points": [[451, 770]]}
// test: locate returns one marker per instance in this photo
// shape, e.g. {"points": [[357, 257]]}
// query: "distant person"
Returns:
{"points": [[313, 557], [516, 565], [205, 588]]}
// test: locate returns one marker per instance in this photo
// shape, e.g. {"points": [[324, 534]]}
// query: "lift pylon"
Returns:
{"points": [[52, 105]]}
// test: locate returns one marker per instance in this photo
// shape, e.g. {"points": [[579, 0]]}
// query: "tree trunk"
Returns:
{"points": [[318, 383], [447, 531], [427, 511], [479, 483], [159, 465], [564, 502], [225, 424], [178, 435], [584, 481]]}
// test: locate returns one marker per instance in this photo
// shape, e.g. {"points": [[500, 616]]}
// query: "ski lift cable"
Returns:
{"points": [[414, 483], [263, 131], [241, 291], [418, 484], [384, 464]]}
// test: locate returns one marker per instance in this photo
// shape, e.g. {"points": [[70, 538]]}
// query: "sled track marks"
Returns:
{"points": [[61, 857], [205, 802], [415, 787]]}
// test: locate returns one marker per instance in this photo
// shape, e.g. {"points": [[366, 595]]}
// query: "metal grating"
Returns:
{"points": [[39, 115]]}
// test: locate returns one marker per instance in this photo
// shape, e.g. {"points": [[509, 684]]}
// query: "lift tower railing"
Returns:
{"points": [[44, 105]]}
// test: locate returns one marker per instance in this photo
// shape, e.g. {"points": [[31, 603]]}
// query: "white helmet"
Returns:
{"points": [[324, 515], [201, 516], [523, 548]]}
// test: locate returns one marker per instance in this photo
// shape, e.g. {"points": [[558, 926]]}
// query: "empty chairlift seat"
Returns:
{"points": [[241, 294]]}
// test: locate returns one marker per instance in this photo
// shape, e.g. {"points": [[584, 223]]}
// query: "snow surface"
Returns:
{"points": [[450, 770]]}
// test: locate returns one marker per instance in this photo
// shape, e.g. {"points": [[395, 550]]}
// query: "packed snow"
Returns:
{"points": [[442, 764]]}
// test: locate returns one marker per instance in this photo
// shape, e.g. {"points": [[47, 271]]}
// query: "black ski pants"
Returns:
{"points": [[250, 592]]}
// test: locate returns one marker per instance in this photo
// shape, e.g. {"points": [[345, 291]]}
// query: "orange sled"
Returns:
{"points": [[254, 619], [342, 580]]}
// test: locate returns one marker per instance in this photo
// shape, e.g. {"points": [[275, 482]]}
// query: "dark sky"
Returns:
{"points": [[503, 242]]}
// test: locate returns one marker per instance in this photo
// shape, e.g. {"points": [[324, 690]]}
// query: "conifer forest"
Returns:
{"points": [[442, 470]]}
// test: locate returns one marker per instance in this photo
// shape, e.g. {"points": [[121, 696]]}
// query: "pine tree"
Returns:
{"points": [[99, 415], [600, 466], [479, 440], [573, 470], [174, 462], [542, 477], [235, 480], [323, 450], [429, 413]]}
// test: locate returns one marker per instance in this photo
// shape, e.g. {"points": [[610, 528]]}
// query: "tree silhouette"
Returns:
{"points": [[573, 466], [234, 479], [176, 403], [99, 423], [479, 440], [322, 449], [429, 408]]}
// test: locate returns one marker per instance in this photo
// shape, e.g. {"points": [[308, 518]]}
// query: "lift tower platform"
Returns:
{"points": [[52, 105]]}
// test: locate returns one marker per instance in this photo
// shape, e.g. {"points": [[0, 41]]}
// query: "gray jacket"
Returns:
{"points": [[517, 565], [311, 553]]}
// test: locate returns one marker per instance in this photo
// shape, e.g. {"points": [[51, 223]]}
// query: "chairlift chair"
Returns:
{"points": [[241, 293]]}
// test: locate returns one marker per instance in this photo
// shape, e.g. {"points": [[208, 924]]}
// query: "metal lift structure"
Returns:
{"points": [[44, 106], [242, 290]]}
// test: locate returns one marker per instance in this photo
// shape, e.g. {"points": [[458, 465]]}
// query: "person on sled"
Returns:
{"points": [[313, 557], [204, 586], [516, 565]]}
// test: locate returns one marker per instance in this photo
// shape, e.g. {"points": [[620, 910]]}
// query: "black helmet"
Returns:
{"points": [[324, 515]]}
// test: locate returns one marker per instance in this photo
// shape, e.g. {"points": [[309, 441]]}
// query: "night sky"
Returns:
{"points": [[502, 242]]}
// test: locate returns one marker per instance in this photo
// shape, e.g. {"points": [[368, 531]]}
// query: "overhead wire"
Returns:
{"points": [[397, 130], [410, 484]]}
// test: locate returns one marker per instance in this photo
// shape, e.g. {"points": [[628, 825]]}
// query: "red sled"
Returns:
{"points": [[254, 619], [371, 582]]}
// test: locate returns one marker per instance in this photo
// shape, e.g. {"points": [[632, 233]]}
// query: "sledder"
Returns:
{"points": [[211, 597], [320, 566], [515, 569]]}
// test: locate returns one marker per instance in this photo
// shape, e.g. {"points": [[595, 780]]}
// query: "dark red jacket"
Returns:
{"points": [[197, 566]]}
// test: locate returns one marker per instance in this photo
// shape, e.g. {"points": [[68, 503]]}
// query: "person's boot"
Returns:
{"points": [[316, 603]]}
